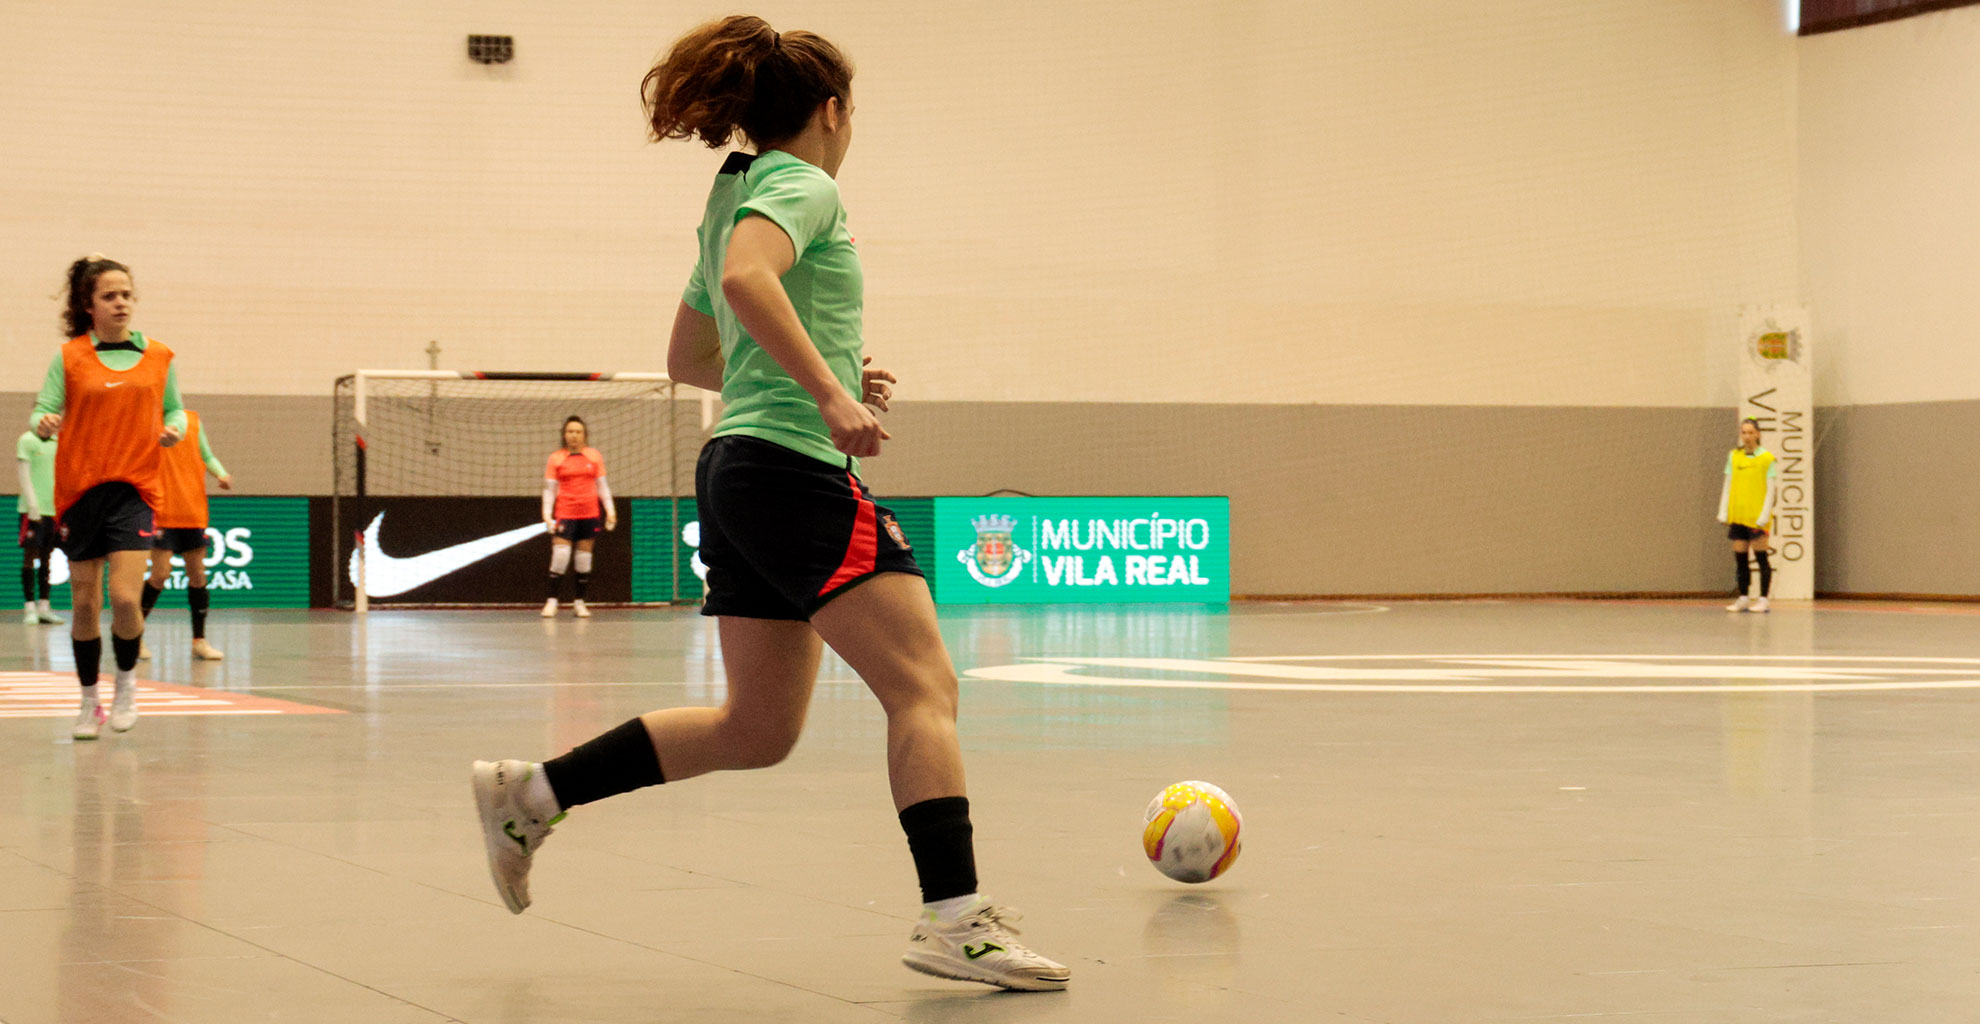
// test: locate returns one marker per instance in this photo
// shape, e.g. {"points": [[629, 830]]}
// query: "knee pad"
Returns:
{"points": [[583, 561], [560, 558]]}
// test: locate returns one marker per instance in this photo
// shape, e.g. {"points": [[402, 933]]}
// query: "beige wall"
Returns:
{"points": [[1889, 136], [1890, 215], [1531, 202], [1439, 293]]}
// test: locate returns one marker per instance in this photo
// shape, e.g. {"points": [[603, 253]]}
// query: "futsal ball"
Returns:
{"points": [[1191, 833]]}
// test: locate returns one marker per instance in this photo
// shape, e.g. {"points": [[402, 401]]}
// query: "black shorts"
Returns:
{"points": [[782, 533], [37, 535], [1741, 531], [179, 539], [108, 517], [579, 529]]}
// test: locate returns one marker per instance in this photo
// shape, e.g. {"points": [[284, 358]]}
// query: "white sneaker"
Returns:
{"points": [[1760, 605], [979, 947], [550, 608], [32, 616], [205, 651], [578, 609], [47, 615], [1740, 605], [89, 723], [123, 707], [509, 831]]}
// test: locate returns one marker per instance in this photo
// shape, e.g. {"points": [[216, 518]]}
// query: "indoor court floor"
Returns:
{"points": [[1454, 812]]}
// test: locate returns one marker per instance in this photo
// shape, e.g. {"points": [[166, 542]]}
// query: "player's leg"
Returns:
{"points": [[885, 628], [126, 571], [45, 554], [154, 583], [771, 666], [560, 561], [1742, 576], [581, 575], [199, 600], [1759, 545], [32, 615], [85, 638]]}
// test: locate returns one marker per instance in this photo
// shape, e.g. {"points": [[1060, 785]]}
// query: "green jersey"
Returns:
{"points": [[39, 455], [825, 286]]}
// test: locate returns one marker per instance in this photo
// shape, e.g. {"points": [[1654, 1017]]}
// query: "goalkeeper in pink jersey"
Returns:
{"points": [[577, 503]]}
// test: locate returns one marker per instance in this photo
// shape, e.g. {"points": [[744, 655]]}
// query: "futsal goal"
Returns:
{"points": [[439, 473]]}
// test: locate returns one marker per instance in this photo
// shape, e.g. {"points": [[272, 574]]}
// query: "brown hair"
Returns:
{"points": [[76, 318], [738, 75]]}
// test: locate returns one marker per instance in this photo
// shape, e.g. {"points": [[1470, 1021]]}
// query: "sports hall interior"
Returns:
{"points": [[1445, 298]]}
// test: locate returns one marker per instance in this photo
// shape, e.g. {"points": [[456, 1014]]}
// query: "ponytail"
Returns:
{"points": [[738, 76]]}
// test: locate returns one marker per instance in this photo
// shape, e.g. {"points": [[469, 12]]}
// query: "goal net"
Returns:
{"points": [[450, 456]]}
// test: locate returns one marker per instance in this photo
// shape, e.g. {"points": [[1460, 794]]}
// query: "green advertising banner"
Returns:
{"points": [[665, 539], [257, 556], [1000, 550], [1089, 550]]}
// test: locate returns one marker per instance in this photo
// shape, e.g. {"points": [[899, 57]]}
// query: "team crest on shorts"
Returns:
{"points": [[894, 531], [994, 560]]}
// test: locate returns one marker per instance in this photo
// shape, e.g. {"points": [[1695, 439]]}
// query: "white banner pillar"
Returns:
{"points": [[1777, 388]]}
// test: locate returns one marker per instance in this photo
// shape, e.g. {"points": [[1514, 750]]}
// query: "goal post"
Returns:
{"points": [[457, 456]]}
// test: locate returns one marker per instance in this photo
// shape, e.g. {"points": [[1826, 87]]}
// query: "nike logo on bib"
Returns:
{"points": [[114, 383], [386, 576]]}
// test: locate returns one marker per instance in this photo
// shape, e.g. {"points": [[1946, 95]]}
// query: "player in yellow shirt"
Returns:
{"points": [[1746, 506]]}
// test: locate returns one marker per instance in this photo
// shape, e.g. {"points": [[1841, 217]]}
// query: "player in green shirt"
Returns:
{"points": [[34, 458], [796, 548]]}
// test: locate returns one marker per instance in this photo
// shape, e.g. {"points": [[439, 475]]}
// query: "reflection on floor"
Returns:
{"points": [[1454, 812]]}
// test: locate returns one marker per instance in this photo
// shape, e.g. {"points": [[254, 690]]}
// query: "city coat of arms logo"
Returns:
{"points": [[994, 560], [1773, 345]]}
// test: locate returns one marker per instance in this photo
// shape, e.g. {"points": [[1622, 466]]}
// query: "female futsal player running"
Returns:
{"points": [[1746, 505], [795, 546], [34, 458], [182, 528], [114, 395], [574, 494]]}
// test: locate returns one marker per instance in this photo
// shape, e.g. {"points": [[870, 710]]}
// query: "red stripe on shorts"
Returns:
{"points": [[861, 549]]}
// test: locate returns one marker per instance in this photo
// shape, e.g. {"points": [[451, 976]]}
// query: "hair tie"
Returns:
{"points": [[97, 257]]}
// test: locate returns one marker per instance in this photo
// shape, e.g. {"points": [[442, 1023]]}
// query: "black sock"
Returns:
{"points": [[41, 576], [1742, 572], [583, 581], [614, 762], [556, 584], [1766, 572], [196, 597], [941, 840], [27, 579], [150, 599], [125, 651], [88, 654]]}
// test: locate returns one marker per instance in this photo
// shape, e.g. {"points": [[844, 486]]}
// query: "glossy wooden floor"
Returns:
{"points": [[1454, 812]]}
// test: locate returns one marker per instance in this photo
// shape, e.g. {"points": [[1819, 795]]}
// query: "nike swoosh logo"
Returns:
{"points": [[114, 383], [386, 576]]}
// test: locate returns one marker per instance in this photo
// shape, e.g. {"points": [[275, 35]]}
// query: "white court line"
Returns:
{"points": [[1455, 673], [145, 712], [1585, 656]]}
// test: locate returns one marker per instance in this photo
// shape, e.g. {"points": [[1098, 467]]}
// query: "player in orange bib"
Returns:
{"points": [[576, 503], [182, 529], [113, 394]]}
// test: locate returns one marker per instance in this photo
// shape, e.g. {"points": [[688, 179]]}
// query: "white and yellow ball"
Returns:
{"points": [[1191, 832]]}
